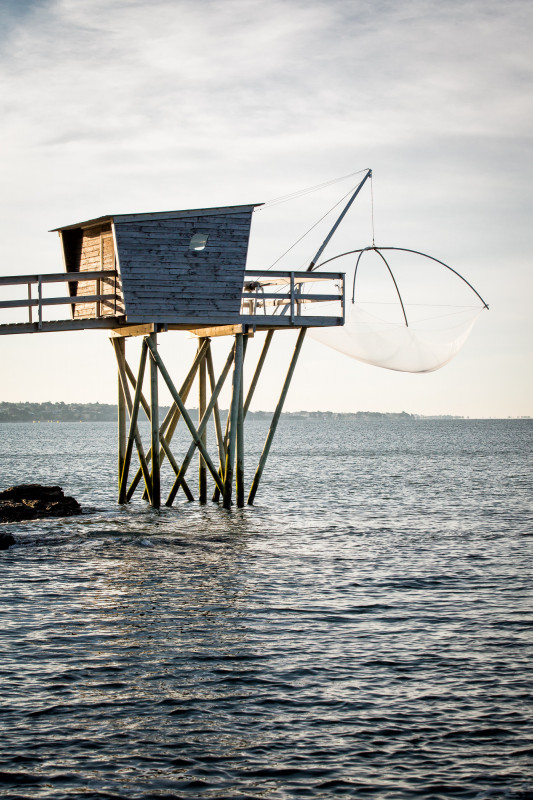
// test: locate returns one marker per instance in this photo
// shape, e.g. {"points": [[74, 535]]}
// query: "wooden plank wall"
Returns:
{"points": [[97, 252], [163, 280]]}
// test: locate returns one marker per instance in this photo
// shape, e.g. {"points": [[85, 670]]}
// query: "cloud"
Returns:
{"points": [[216, 70], [129, 106]]}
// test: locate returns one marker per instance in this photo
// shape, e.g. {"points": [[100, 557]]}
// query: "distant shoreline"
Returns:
{"points": [[107, 412]]}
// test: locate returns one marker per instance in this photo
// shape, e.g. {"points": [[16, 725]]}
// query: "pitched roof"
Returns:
{"points": [[154, 215]]}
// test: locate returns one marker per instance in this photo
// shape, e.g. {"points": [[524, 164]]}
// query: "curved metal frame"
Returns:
{"points": [[390, 272], [404, 250]]}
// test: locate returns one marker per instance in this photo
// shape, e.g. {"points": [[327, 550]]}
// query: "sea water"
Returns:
{"points": [[363, 631]]}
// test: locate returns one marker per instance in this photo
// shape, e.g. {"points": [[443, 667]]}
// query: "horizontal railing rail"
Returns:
{"points": [[109, 301], [265, 293], [57, 277], [254, 296], [57, 301]]}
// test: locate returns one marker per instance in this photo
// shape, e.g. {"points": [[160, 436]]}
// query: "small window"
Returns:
{"points": [[198, 242]]}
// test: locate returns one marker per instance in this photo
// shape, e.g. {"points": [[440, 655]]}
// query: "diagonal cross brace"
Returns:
{"points": [[164, 444], [216, 412], [184, 413], [201, 428], [170, 422], [275, 419], [134, 434]]}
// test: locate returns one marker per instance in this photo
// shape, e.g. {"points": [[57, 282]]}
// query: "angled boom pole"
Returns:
{"points": [[325, 243]]}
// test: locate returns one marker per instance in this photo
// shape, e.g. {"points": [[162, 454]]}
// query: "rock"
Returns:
{"points": [[6, 540], [33, 501], [31, 491]]}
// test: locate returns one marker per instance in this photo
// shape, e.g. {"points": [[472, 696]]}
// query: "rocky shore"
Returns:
{"points": [[33, 501]]}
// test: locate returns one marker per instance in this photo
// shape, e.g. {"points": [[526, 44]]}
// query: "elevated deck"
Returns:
{"points": [[269, 300]]}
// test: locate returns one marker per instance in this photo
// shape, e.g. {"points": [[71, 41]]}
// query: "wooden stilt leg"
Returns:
{"points": [[233, 413], [171, 420], [184, 413], [133, 435], [216, 493], [275, 419], [216, 414], [257, 372], [239, 485], [121, 347], [154, 421], [202, 387], [201, 428], [165, 449]]}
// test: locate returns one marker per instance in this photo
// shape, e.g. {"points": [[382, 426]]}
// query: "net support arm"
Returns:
{"points": [[326, 241]]}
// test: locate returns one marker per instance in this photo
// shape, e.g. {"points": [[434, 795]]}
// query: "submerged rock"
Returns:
{"points": [[33, 501], [6, 540]]}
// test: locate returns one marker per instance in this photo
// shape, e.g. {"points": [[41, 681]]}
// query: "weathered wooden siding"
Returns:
{"points": [[95, 251], [164, 281]]}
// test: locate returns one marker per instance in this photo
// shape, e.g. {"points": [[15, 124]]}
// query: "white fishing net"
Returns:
{"points": [[422, 346], [415, 319]]}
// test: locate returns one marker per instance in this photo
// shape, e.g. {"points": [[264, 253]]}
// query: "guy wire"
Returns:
{"points": [[311, 228], [372, 207]]}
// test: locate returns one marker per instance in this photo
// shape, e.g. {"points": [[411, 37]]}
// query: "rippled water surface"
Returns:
{"points": [[363, 631]]}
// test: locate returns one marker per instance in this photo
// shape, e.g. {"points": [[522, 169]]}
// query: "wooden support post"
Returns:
{"points": [[216, 414], [216, 493], [154, 422], [233, 415], [202, 387], [184, 413], [239, 483], [165, 449], [120, 346], [171, 420], [164, 446], [203, 423], [133, 431], [275, 419], [257, 372]]}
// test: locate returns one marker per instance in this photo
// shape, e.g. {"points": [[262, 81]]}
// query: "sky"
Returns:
{"points": [[123, 106]]}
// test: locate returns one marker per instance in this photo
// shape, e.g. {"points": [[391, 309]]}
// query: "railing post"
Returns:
{"points": [[98, 304], [292, 298], [30, 315], [40, 297]]}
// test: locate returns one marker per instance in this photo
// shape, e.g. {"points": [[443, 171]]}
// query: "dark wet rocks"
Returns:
{"points": [[33, 501], [6, 540]]}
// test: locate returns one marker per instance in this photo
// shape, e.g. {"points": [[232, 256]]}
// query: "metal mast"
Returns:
{"points": [[324, 244]]}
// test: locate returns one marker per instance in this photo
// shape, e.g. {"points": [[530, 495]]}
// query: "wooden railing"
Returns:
{"points": [[258, 294], [39, 302], [267, 295]]}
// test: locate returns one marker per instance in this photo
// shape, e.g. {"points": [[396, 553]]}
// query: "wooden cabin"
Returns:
{"points": [[176, 270], [182, 267]]}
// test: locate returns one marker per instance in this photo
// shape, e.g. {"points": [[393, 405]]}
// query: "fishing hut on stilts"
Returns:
{"points": [[146, 275]]}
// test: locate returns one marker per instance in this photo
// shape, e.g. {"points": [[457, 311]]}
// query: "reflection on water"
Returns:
{"points": [[363, 634]]}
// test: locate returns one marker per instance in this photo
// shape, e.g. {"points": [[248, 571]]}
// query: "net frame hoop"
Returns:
{"points": [[362, 250]]}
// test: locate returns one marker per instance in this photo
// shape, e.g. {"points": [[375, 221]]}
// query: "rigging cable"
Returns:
{"points": [[372, 208], [302, 192], [311, 228]]}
